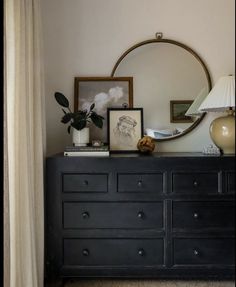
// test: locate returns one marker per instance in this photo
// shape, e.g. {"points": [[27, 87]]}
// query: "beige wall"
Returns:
{"points": [[86, 37]]}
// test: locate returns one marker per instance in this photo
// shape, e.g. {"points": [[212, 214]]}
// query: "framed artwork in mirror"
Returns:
{"points": [[125, 128], [105, 92], [178, 110]]}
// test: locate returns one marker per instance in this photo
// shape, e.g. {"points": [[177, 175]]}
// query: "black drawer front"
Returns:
{"points": [[194, 215], [201, 251], [85, 182], [230, 182], [140, 182], [113, 252], [112, 215], [206, 183]]}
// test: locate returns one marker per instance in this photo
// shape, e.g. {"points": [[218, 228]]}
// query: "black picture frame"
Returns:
{"points": [[125, 128]]}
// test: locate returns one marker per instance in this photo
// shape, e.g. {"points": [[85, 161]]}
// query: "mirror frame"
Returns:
{"points": [[157, 40]]}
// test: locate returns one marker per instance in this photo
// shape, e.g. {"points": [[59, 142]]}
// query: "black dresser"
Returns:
{"points": [[165, 215]]}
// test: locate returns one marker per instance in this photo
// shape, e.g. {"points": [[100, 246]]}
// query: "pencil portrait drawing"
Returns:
{"points": [[125, 128]]}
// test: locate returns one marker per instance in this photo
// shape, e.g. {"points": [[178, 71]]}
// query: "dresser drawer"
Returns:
{"points": [[230, 182], [201, 251], [140, 182], [112, 215], [113, 252], [195, 215], [196, 182], [83, 182]]}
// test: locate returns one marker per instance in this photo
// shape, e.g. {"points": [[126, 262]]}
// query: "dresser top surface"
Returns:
{"points": [[152, 155]]}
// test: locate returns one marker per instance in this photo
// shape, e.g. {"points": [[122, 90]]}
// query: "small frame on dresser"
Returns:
{"points": [[125, 128]]}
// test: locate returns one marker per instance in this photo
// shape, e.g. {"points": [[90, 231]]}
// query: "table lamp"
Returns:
{"points": [[222, 99]]}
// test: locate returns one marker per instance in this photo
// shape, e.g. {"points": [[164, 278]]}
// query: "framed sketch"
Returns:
{"points": [[178, 110], [125, 128], [105, 92]]}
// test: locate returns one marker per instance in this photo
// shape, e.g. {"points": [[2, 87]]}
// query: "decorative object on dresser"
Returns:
{"points": [[86, 150], [81, 137], [146, 144], [211, 149], [105, 92], [222, 99], [169, 215], [125, 128], [97, 143], [79, 120]]}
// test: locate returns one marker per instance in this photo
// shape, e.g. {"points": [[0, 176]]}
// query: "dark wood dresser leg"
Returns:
{"points": [[54, 283]]}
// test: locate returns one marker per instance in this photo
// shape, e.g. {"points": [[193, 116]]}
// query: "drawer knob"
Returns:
{"points": [[86, 252], [195, 183], [141, 215], [195, 252], [140, 183], [85, 182], [141, 252], [195, 215], [85, 215]]}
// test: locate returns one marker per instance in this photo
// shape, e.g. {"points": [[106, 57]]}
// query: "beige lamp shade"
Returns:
{"points": [[194, 108], [222, 98]]}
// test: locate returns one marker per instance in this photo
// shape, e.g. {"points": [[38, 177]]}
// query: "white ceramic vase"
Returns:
{"points": [[80, 138]]}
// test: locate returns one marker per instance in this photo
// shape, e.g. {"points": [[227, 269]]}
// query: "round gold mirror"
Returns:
{"points": [[169, 82]]}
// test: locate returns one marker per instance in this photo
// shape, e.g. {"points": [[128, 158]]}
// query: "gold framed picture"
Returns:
{"points": [[178, 110], [105, 92]]}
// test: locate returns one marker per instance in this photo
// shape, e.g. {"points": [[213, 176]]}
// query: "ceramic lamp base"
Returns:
{"points": [[222, 132]]}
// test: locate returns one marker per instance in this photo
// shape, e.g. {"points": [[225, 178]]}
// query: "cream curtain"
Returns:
{"points": [[24, 142]]}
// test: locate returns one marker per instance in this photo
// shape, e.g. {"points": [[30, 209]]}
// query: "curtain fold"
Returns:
{"points": [[24, 126]]}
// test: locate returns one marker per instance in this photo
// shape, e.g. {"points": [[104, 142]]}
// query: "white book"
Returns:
{"points": [[86, 153]]}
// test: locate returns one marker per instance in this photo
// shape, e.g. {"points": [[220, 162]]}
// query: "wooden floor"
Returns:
{"points": [[148, 283]]}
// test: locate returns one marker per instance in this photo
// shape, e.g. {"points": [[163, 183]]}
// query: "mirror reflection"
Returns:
{"points": [[167, 79]]}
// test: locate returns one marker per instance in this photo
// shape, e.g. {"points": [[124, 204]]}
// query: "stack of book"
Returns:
{"points": [[86, 151]]}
